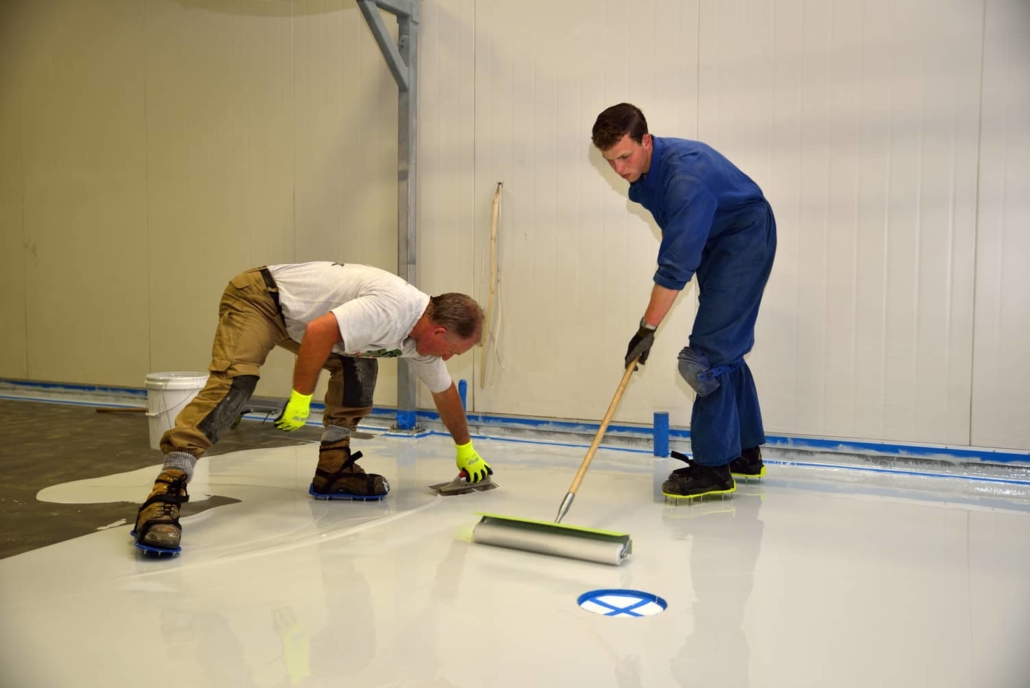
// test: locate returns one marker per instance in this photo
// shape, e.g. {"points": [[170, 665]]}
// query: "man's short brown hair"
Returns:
{"points": [[618, 121], [459, 313]]}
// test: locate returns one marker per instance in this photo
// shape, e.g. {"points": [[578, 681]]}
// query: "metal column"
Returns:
{"points": [[402, 59]]}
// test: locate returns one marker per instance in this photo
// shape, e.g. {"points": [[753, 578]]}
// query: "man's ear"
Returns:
{"points": [[646, 142]]}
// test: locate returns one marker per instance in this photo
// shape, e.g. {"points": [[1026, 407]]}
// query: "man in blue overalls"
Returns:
{"points": [[715, 224]]}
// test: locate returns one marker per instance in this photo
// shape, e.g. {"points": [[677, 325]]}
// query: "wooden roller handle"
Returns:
{"points": [[604, 426]]}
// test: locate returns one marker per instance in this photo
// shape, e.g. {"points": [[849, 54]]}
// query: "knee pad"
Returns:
{"points": [[693, 367], [359, 381], [224, 414], [695, 370]]}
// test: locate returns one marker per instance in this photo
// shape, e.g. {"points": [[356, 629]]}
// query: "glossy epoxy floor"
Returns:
{"points": [[811, 578]]}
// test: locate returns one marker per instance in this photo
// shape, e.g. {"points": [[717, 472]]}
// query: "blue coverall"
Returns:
{"points": [[716, 224]]}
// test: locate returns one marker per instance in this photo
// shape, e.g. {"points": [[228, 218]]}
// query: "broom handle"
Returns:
{"points": [[604, 426], [567, 502]]}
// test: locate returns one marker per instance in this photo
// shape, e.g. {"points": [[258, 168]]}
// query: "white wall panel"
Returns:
{"points": [[346, 130], [1001, 383], [78, 109], [15, 251], [446, 154], [863, 134], [576, 259], [345, 127], [168, 145], [219, 162]]}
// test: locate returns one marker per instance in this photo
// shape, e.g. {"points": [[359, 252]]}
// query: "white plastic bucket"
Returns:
{"points": [[167, 394]]}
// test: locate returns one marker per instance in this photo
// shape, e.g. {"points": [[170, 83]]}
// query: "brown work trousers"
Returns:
{"points": [[249, 327]]}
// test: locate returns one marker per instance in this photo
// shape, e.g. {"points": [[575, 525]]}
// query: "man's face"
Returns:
{"points": [[630, 159], [439, 342]]}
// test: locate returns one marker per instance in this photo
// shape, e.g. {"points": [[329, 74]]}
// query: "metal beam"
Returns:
{"points": [[408, 8], [402, 59], [394, 60]]}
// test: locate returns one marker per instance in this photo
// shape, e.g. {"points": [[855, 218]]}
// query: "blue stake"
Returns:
{"points": [[661, 433]]}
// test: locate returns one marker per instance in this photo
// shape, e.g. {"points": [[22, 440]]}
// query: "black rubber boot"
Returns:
{"points": [[748, 465], [697, 481]]}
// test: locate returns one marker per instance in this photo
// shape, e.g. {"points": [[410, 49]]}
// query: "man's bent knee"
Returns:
{"points": [[225, 412]]}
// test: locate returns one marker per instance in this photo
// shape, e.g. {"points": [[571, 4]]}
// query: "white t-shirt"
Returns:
{"points": [[374, 309]]}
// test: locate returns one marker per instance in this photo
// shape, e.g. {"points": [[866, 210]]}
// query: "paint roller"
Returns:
{"points": [[555, 539]]}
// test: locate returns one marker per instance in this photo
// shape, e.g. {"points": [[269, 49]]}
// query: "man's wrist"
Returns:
{"points": [[645, 326]]}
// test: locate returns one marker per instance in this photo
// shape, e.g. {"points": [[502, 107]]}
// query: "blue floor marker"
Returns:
{"points": [[615, 602]]}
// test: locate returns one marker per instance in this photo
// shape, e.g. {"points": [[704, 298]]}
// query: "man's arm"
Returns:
{"points": [[690, 210], [640, 345], [448, 403], [319, 337], [661, 301]]}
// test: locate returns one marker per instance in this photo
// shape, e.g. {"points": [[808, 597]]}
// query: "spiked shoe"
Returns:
{"points": [[697, 481], [157, 521], [748, 466], [339, 477]]}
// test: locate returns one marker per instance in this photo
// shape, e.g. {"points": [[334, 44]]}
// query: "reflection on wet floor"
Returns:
{"points": [[803, 579]]}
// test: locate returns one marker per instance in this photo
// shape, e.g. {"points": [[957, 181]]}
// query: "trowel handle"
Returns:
{"points": [[604, 426]]}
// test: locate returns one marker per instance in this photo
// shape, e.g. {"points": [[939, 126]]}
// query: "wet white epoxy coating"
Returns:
{"points": [[801, 580]]}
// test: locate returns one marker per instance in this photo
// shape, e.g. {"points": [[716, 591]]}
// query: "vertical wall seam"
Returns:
{"points": [[885, 303], [697, 77], [293, 128], [797, 204], [976, 221], [341, 98], [24, 225], [146, 192], [859, 158], [918, 267], [477, 351], [828, 143], [949, 296]]}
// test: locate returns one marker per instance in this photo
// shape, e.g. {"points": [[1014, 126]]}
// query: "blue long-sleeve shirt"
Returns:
{"points": [[695, 195]]}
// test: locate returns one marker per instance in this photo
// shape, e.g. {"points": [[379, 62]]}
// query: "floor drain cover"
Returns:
{"points": [[622, 603]]}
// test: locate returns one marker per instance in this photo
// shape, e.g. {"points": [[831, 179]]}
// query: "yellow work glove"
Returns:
{"points": [[296, 412], [474, 465]]}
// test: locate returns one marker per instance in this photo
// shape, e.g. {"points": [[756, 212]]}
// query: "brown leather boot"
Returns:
{"points": [[157, 521], [339, 477]]}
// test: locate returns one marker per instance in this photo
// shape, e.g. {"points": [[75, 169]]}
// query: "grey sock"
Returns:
{"points": [[334, 433], [183, 461]]}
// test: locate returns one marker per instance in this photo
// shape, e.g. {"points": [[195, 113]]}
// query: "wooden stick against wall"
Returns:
{"points": [[485, 340]]}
